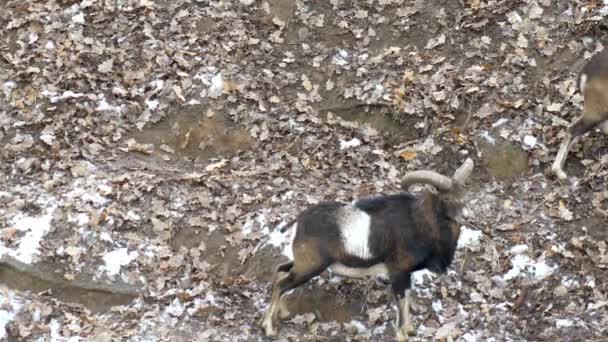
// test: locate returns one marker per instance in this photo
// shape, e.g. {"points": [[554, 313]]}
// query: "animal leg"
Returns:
{"points": [[604, 127], [281, 273], [286, 281], [560, 159], [401, 284]]}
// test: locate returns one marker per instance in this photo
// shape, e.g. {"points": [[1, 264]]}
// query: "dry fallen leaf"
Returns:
{"points": [[408, 154]]}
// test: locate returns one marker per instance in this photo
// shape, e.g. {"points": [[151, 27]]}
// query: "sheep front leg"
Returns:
{"points": [[560, 159], [401, 284]]}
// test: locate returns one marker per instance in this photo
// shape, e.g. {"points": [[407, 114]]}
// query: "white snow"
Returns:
{"points": [[55, 326], [78, 18], [35, 228], [437, 306], [104, 105], [538, 270], [563, 323], [486, 135], [354, 142], [81, 219], [340, 58], [49, 45], [499, 122], [87, 196], [54, 97], [518, 249], [7, 312], [176, 309], [217, 85], [360, 327], [519, 263], [529, 141], [118, 258], [152, 104], [419, 277], [468, 237]]}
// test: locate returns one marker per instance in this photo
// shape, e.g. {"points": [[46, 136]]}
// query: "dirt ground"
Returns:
{"points": [[150, 148]]}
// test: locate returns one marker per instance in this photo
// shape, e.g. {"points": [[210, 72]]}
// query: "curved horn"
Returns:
{"points": [[464, 172], [439, 181]]}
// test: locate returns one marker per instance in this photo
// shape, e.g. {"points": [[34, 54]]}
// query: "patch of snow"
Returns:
{"points": [[518, 249], [529, 142], [87, 196], [8, 312], [118, 258], [78, 18], [419, 277], [360, 327], [469, 337], [175, 309], [81, 219], [152, 104], [217, 85], [50, 45], [340, 58], [354, 142], [563, 323], [104, 105], [54, 97], [133, 216], [35, 229], [519, 263], [104, 236], [538, 270], [55, 327], [500, 122], [9, 85], [469, 237], [437, 306], [486, 135]]}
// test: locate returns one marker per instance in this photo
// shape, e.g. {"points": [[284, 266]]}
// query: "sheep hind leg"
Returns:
{"points": [[604, 127], [401, 284], [285, 282], [281, 273]]}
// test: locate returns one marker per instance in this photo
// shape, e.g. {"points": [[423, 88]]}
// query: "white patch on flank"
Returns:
{"points": [[583, 82], [355, 227], [288, 249], [278, 239], [378, 271]]}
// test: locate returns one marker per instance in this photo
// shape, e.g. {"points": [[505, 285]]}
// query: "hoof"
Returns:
{"points": [[410, 330], [401, 336], [561, 175], [283, 312], [268, 329]]}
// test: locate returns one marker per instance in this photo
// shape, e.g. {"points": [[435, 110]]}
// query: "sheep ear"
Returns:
{"points": [[464, 171]]}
